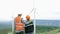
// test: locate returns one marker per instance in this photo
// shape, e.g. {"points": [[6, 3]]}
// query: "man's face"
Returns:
{"points": [[20, 16]]}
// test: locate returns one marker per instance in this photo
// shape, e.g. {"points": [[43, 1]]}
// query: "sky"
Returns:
{"points": [[45, 9], [48, 9], [10, 8]]}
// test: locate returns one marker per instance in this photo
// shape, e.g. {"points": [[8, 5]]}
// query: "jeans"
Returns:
{"points": [[29, 33], [22, 32]]}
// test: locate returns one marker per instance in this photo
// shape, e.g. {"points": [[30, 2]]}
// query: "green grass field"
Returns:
{"points": [[47, 30], [39, 30], [5, 30]]}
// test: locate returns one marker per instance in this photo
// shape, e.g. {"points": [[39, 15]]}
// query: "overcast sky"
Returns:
{"points": [[9, 8], [45, 9], [48, 9]]}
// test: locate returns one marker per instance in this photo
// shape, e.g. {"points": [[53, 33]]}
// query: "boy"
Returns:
{"points": [[29, 27]]}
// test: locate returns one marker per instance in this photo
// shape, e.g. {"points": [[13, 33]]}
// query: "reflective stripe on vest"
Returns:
{"points": [[18, 25]]}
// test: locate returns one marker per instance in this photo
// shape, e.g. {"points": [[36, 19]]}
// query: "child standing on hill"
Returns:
{"points": [[29, 27]]}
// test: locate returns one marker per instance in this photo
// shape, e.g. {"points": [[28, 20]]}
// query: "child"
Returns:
{"points": [[29, 27]]}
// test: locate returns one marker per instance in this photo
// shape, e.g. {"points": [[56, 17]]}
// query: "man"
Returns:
{"points": [[29, 27], [19, 26]]}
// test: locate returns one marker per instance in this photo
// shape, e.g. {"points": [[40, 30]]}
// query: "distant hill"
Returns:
{"points": [[38, 22], [5, 24], [48, 22]]}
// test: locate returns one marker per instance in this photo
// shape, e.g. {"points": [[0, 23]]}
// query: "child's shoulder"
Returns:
{"points": [[30, 20]]}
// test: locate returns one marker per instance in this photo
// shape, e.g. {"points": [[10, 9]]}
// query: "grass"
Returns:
{"points": [[45, 29], [39, 30], [5, 30]]}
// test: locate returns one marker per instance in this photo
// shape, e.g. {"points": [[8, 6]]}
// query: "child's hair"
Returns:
{"points": [[27, 17]]}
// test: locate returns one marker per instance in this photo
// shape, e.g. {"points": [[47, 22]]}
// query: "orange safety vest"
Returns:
{"points": [[18, 25]]}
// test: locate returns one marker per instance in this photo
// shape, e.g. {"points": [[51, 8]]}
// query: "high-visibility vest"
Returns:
{"points": [[18, 25]]}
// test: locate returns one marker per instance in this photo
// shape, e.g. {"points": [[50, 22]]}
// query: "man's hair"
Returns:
{"points": [[19, 14]]}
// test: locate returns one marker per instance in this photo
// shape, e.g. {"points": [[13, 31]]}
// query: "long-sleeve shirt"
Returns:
{"points": [[29, 27]]}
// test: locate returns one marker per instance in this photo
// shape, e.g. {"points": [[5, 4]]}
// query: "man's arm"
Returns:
{"points": [[23, 21]]}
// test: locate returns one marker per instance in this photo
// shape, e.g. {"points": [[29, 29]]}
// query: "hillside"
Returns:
{"points": [[5, 27], [46, 29]]}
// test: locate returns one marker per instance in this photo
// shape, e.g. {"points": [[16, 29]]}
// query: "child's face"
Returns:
{"points": [[28, 19]]}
